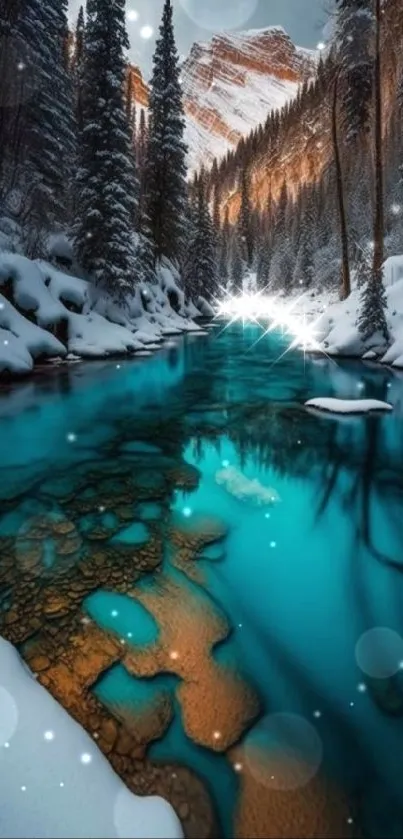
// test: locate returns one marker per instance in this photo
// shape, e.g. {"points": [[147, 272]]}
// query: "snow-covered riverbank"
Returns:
{"points": [[54, 780], [47, 314], [337, 325]]}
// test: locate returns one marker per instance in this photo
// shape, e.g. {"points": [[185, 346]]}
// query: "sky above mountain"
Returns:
{"points": [[197, 20]]}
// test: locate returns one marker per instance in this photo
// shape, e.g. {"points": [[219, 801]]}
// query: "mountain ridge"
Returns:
{"points": [[230, 84]]}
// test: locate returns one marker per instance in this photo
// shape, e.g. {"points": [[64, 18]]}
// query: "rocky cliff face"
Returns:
{"points": [[139, 87], [230, 84]]}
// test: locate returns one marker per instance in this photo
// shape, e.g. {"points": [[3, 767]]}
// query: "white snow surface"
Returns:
{"points": [[47, 314], [348, 406], [54, 780], [337, 329]]}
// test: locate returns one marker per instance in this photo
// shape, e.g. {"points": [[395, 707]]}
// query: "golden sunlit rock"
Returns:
{"points": [[217, 705]]}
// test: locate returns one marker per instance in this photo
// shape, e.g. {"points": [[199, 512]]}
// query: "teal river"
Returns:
{"points": [[312, 584]]}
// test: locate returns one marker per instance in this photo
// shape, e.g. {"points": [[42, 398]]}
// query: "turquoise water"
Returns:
{"points": [[122, 616], [302, 579], [134, 534]]}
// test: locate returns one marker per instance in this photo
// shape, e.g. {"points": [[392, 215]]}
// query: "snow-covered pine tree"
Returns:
{"points": [[224, 251], [281, 212], [78, 66], [282, 262], [104, 240], [307, 239], [264, 262], [217, 215], [186, 264], [145, 260], [245, 226], [237, 272], [303, 271], [202, 265], [354, 33], [372, 321], [48, 124], [166, 189]]}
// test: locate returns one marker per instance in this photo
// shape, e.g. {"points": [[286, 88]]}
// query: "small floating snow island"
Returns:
{"points": [[348, 406]]}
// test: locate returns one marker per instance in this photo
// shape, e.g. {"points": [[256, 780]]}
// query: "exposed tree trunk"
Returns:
{"points": [[379, 220], [346, 281]]}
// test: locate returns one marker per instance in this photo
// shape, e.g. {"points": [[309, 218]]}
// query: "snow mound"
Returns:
{"points": [[54, 780], [348, 406], [242, 488], [45, 313], [338, 333]]}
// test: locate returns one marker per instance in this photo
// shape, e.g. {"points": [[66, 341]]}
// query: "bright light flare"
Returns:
{"points": [[287, 317]]}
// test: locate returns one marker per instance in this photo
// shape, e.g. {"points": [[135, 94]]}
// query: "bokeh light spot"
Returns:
{"points": [[379, 652]]}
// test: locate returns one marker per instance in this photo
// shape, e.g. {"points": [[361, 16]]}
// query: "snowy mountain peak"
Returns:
{"points": [[231, 82]]}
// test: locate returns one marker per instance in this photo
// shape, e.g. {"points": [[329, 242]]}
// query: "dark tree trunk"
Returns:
{"points": [[346, 282], [379, 220]]}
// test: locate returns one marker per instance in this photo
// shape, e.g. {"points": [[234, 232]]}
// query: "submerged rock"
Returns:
{"points": [[196, 531], [313, 810], [217, 704], [244, 489], [136, 534]]}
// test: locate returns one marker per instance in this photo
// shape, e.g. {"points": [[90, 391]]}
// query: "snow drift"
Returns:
{"points": [[337, 329], [54, 780], [45, 313]]}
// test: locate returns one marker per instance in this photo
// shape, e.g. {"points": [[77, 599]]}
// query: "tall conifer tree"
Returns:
{"points": [[201, 263], [166, 189], [46, 129], [106, 186], [245, 225]]}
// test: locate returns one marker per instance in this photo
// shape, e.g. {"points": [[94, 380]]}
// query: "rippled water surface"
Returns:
{"points": [[303, 598]]}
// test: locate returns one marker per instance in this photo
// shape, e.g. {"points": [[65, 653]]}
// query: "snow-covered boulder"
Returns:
{"points": [[55, 782], [205, 308], [348, 406], [34, 342], [60, 249]]}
